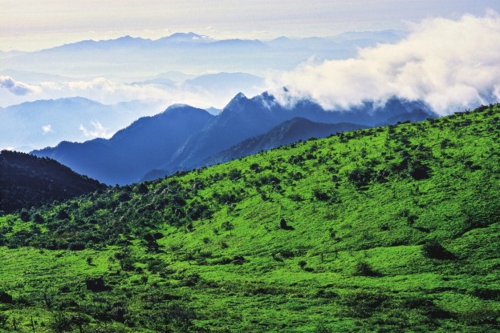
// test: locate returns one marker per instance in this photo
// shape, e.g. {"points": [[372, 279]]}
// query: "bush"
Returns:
{"points": [[364, 269], [3, 319], [62, 215], [227, 226], [37, 218], [360, 177], [5, 298], [434, 250], [174, 318], [125, 196], [362, 304], [320, 195], [24, 215], [418, 171], [142, 189]]}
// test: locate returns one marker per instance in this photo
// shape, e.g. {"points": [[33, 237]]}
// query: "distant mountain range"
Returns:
{"points": [[183, 137], [45, 123], [128, 57], [27, 181]]}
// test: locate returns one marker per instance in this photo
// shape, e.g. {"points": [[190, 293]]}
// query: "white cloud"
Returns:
{"points": [[98, 131], [109, 91], [47, 129], [450, 64], [16, 87]]}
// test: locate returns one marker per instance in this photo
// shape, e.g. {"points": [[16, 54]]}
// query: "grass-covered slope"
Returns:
{"points": [[392, 229]]}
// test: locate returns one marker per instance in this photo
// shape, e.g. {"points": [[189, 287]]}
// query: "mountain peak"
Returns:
{"points": [[236, 102], [177, 106], [239, 96], [182, 37], [183, 109]]}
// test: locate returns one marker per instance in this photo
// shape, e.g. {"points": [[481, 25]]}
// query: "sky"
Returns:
{"points": [[29, 25]]}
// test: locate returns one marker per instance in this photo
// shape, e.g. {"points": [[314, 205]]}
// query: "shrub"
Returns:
{"points": [[360, 177], [418, 171], [255, 167], [362, 304], [5, 298], [234, 174], [142, 189], [76, 246], [320, 195], [174, 318], [321, 328], [3, 319], [227, 226], [125, 196], [434, 250], [364, 269], [24, 215], [37, 218]]}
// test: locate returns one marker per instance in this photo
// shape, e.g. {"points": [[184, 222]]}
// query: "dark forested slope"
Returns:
{"points": [[26, 181]]}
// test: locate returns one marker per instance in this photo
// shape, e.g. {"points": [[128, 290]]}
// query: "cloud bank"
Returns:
{"points": [[16, 87], [449, 64], [99, 131], [108, 91]]}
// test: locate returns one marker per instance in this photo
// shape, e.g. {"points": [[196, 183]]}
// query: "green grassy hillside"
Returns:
{"points": [[392, 229]]}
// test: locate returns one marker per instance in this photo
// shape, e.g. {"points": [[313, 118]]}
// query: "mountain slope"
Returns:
{"points": [[393, 229], [183, 137], [285, 133], [290, 131], [27, 181], [244, 118], [133, 151]]}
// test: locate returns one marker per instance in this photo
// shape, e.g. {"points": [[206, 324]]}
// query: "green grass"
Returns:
{"points": [[359, 209]]}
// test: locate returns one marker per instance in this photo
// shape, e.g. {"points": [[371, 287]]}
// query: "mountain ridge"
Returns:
{"points": [[290, 131], [241, 119], [149, 140]]}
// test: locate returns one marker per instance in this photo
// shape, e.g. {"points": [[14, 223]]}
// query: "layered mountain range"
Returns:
{"points": [[183, 137], [128, 56]]}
